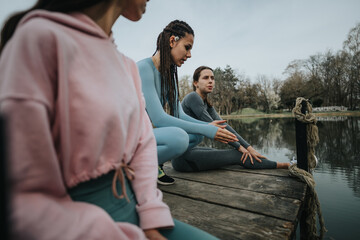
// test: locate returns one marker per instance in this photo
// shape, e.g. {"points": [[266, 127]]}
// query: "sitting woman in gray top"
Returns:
{"points": [[196, 105]]}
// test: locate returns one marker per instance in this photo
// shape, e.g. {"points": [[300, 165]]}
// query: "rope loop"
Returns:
{"points": [[312, 203]]}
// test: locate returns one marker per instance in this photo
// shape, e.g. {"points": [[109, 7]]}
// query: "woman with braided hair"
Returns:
{"points": [[176, 132]]}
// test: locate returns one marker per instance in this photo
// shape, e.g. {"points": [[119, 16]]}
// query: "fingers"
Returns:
{"points": [[255, 154], [219, 126], [220, 121], [257, 159], [242, 157], [226, 135], [219, 140], [245, 156], [225, 139], [153, 234]]}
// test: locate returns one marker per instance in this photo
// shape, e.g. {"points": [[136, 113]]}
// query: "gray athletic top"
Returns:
{"points": [[194, 106]]}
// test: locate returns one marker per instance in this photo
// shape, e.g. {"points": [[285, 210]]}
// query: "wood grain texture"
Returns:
{"points": [[237, 203], [227, 223], [273, 184], [266, 204]]}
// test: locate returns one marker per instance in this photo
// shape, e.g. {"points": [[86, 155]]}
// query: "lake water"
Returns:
{"points": [[337, 174]]}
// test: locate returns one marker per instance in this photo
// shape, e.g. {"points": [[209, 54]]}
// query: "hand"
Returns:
{"points": [[245, 155], [153, 234], [251, 153], [224, 136], [255, 154], [217, 123]]}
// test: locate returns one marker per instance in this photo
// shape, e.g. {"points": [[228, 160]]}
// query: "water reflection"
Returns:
{"points": [[337, 175], [338, 150]]}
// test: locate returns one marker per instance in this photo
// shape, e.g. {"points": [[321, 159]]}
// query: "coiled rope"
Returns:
{"points": [[312, 204]]}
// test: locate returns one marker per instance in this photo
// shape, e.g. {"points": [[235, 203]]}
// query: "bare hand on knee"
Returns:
{"points": [[255, 154]]}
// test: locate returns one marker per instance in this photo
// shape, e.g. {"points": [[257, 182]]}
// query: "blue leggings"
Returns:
{"points": [[172, 142], [175, 144], [99, 192]]}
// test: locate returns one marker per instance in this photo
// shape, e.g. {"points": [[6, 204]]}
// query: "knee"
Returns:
{"points": [[178, 140]]}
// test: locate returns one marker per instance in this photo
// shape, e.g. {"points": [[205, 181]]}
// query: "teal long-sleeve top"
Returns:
{"points": [[151, 87]]}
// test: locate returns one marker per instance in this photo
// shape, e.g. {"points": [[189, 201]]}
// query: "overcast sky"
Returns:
{"points": [[252, 36]]}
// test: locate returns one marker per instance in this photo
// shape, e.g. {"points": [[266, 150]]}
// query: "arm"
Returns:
{"points": [[153, 212], [195, 103], [241, 142], [247, 150], [186, 117], [155, 110]]}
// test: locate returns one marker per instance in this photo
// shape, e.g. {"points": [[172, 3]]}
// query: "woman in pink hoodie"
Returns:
{"points": [[77, 124]]}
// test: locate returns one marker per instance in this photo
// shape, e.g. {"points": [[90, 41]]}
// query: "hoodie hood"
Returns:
{"points": [[75, 20]]}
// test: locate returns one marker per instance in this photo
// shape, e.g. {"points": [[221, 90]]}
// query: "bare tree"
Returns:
{"points": [[352, 47], [185, 86], [224, 95], [268, 98], [293, 84]]}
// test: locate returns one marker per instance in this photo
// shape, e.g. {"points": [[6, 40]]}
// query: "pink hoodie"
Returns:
{"points": [[75, 111]]}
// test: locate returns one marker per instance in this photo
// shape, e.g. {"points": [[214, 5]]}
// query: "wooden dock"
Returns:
{"points": [[236, 203]]}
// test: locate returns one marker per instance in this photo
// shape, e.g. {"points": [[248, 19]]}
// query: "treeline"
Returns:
{"points": [[327, 79]]}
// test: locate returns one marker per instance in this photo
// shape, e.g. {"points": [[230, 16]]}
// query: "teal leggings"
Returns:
{"points": [[99, 192], [175, 144], [172, 142]]}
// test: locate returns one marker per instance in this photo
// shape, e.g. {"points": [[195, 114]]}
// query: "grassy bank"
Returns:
{"points": [[259, 114]]}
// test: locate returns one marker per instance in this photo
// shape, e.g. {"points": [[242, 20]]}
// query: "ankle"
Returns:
{"points": [[282, 165]]}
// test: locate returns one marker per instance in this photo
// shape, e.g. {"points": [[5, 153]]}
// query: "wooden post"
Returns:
{"points": [[301, 141], [302, 162], [4, 196]]}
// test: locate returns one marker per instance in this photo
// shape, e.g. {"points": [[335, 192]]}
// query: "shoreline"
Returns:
{"points": [[290, 115]]}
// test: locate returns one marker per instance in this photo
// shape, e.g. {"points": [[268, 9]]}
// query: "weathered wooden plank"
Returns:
{"points": [[271, 172], [276, 185], [266, 204], [227, 223]]}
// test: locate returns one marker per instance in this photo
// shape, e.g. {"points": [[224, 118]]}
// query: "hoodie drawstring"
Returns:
{"points": [[119, 175]]}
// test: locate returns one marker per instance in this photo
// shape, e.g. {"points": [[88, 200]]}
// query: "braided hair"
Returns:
{"points": [[168, 70]]}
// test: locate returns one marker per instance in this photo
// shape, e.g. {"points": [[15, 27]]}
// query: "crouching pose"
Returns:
{"points": [[175, 132]]}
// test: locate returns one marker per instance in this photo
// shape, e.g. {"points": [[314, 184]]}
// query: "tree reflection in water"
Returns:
{"points": [[338, 150]]}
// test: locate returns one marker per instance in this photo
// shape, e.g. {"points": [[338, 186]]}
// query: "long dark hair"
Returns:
{"points": [[196, 77], [168, 70], [63, 6]]}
